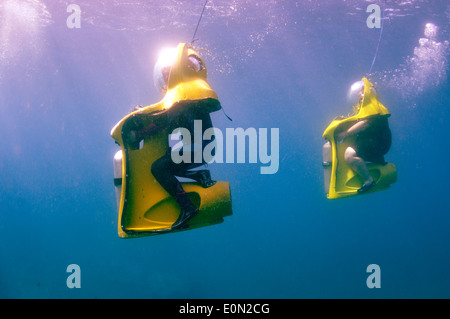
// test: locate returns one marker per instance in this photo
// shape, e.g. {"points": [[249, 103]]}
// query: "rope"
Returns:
{"points": [[378, 45], [198, 23], [193, 39]]}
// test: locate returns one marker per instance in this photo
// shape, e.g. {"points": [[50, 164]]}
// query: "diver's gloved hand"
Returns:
{"points": [[340, 137], [131, 137], [137, 108]]}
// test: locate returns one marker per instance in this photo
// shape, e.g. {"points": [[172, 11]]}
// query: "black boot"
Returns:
{"points": [[366, 187], [203, 177], [185, 215], [188, 209]]}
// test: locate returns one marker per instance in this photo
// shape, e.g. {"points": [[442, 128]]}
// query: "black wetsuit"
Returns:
{"points": [[372, 143], [165, 169]]}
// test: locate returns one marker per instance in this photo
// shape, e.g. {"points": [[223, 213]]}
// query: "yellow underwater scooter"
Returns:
{"points": [[145, 208], [339, 178]]}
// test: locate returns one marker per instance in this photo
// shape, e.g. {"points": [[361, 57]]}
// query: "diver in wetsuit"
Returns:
{"points": [[164, 169], [372, 141]]}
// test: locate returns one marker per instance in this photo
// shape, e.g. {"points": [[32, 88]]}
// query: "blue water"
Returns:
{"points": [[274, 64]]}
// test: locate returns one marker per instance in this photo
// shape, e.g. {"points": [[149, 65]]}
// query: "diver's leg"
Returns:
{"points": [[358, 165], [163, 170], [202, 176]]}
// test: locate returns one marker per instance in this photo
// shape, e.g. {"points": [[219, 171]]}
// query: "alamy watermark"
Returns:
{"points": [[74, 20], [374, 279], [257, 146], [74, 279], [374, 18]]}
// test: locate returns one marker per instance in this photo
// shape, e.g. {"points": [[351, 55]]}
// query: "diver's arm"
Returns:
{"points": [[358, 127], [138, 133], [353, 130], [134, 137], [150, 129]]}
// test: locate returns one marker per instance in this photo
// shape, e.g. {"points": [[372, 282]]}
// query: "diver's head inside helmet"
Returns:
{"points": [[161, 72], [356, 93]]}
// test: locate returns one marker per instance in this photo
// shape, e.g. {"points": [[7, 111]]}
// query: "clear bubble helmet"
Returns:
{"points": [[167, 59]]}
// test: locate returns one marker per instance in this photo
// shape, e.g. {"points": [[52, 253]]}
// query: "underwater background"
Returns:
{"points": [[274, 64]]}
